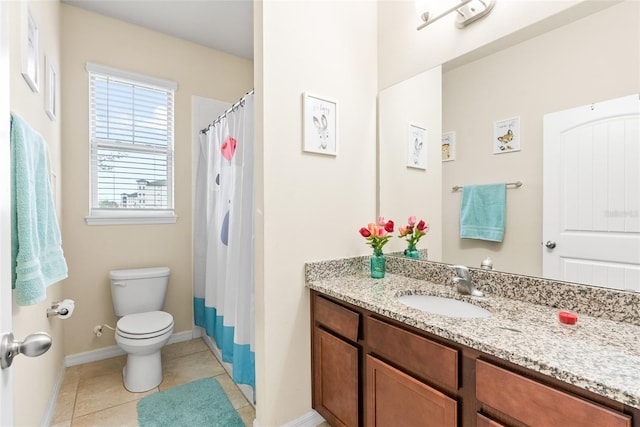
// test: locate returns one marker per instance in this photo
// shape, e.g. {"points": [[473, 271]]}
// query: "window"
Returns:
{"points": [[131, 147]]}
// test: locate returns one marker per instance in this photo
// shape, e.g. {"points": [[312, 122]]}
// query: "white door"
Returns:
{"points": [[6, 379], [591, 194]]}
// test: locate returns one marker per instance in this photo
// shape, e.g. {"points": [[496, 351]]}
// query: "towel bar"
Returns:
{"points": [[516, 184]]}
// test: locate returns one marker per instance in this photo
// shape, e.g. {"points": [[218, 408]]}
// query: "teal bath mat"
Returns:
{"points": [[198, 403]]}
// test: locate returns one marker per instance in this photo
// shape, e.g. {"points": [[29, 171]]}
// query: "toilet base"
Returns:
{"points": [[142, 372]]}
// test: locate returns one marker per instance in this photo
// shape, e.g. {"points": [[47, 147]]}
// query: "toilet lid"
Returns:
{"points": [[145, 323]]}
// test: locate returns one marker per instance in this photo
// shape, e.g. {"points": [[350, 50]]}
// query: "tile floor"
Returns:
{"points": [[93, 394]]}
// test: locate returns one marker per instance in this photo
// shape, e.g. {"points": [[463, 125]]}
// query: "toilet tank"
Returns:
{"points": [[139, 290]]}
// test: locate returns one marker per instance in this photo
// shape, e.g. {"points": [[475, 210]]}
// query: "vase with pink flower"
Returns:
{"points": [[413, 232], [377, 235]]}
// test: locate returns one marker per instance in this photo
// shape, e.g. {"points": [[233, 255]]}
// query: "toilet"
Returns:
{"points": [[143, 329]]}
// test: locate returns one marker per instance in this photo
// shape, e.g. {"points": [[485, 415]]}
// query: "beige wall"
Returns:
{"points": [[94, 250], [405, 191], [310, 206], [593, 59], [34, 378], [404, 52]]}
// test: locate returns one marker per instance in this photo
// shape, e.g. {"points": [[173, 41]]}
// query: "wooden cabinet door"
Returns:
{"points": [[335, 375], [397, 399]]}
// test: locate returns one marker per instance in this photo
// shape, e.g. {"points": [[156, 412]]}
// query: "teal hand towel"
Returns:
{"points": [[482, 212], [37, 259]]}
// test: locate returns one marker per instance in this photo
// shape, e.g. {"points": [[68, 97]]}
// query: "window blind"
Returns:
{"points": [[131, 137]]}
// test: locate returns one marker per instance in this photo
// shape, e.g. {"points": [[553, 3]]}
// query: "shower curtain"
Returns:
{"points": [[223, 238]]}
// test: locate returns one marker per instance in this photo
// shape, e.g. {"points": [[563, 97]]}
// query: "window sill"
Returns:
{"points": [[140, 218]]}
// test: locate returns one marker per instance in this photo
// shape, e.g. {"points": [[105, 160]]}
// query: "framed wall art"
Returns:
{"points": [[319, 124], [50, 98], [30, 52], [448, 146], [506, 136], [417, 147]]}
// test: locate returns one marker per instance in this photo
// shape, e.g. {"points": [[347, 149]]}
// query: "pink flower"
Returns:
{"points": [[381, 220], [412, 220], [403, 231]]}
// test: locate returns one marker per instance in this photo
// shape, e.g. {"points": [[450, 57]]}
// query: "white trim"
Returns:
{"points": [[147, 218], [51, 405], [114, 350], [111, 75], [132, 77], [310, 419]]}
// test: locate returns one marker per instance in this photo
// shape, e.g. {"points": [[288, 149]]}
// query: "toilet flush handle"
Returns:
{"points": [[123, 284]]}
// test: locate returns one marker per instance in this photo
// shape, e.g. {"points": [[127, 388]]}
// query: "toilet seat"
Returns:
{"points": [[147, 325]]}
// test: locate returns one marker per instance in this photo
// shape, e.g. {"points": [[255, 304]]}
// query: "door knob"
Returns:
{"points": [[550, 244], [32, 346]]}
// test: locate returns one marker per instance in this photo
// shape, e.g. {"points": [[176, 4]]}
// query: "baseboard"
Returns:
{"points": [[310, 419], [51, 405], [114, 350]]}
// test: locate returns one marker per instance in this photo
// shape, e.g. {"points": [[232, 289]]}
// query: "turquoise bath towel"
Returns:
{"points": [[482, 212], [37, 260]]}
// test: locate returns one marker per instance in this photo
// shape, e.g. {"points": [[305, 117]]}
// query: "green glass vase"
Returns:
{"points": [[412, 252], [378, 264]]}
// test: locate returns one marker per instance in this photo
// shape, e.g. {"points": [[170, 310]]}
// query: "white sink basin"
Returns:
{"points": [[444, 306]]}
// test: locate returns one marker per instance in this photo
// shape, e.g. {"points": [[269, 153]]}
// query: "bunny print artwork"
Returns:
{"points": [[417, 148], [320, 125], [323, 133]]}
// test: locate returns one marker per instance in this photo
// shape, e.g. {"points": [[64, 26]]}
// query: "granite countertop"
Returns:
{"points": [[596, 354]]}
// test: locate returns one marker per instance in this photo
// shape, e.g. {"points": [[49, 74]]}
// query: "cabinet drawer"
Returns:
{"points": [[419, 355], [536, 404], [337, 318]]}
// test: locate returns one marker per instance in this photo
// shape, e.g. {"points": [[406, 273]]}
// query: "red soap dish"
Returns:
{"points": [[567, 318]]}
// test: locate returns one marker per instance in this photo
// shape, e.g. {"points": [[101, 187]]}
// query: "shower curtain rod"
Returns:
{"points": [[234, 107]]}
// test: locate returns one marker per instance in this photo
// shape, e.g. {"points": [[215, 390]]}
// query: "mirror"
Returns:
{"points": [[566, 67]]}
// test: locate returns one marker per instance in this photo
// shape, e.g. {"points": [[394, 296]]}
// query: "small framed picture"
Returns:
{"points": [[50, 98], [30, 52], [417, 147], [506, 136], [319, 125], [448, 146]]}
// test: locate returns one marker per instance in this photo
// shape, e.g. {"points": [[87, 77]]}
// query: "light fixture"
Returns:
{"points": [[468, 11]]}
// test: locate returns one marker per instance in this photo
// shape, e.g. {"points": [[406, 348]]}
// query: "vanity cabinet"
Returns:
{"points": [[370, 370], [387, 373], [335, 362]]}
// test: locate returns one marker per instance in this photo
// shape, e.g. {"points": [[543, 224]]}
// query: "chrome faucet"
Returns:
{"points": [[463, 283]]}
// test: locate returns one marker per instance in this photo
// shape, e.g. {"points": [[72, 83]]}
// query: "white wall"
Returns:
{"points": [[308, 206], [403, 190], [404, 52], [589, 60]]}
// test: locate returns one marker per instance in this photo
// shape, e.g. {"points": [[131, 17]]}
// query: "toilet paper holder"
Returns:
{"points": [[61, 308]]}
